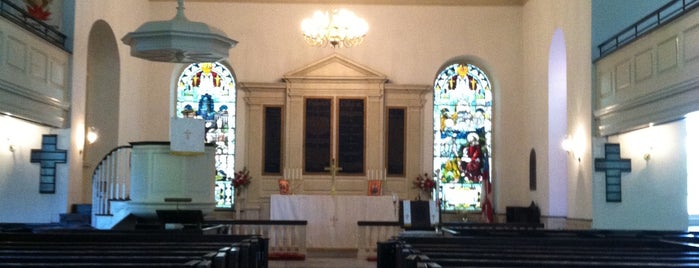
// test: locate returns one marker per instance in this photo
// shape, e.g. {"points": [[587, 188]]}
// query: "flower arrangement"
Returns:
{"points": [[241, 180], [424, 183], [39, 9]]}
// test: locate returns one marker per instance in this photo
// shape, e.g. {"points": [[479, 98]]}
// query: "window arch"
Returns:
{"points": [[207, 91], [462, 110]]}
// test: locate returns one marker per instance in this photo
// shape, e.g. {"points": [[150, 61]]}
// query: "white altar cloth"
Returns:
{"points": [[332, 220]]}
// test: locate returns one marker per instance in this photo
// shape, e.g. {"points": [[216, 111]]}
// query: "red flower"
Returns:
{"points": [[242, 179], [424, 183], [39, 11]]}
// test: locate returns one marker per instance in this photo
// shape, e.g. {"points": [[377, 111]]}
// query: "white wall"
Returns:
{"points": [[541, 19], [20, 200], [654, 193], [407, 43]]}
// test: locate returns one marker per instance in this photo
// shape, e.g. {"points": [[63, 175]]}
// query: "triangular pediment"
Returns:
{"points": [[334, 67]]}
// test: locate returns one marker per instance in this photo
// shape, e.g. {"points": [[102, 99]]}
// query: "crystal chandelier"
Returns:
{"points": [[339, 28], [179, 40]]}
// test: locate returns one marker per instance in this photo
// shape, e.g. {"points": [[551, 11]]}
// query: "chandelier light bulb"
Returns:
{"points": [[92, 135], [339, 28]]}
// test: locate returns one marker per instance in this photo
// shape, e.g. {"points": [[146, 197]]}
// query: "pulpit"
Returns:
{"points": [[162, 180], [332, 220]]}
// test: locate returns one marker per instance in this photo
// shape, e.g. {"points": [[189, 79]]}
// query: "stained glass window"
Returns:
{"points": [[462, 135], [207, 91]]}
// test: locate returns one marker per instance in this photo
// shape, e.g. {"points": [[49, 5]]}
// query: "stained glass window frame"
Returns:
{"points": [[207, 90], [462, 130]]}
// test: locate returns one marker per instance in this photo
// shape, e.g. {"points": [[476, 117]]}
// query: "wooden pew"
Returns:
{"points": [[131, 249], [542, 249], [461, 228], [286, 239]]}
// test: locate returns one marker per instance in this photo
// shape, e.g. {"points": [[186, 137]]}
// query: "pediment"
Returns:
{"points": [[334, 67]]}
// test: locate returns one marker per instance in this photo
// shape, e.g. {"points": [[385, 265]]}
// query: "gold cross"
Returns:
{"points": [[334, 219], [333, 168]]}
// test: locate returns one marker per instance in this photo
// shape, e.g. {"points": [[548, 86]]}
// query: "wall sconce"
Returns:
{"points": [[647, 154], [573, 147], [92, 135], [11, 144]]}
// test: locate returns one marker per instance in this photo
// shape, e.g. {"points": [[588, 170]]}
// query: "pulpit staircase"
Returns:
{"points": [[110, 188]]}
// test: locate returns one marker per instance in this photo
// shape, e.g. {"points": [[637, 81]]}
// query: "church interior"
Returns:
{"points": [[572, 115]]}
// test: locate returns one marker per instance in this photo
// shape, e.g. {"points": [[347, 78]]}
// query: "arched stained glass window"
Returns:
{"points": [[207, 91], [462, 135]]}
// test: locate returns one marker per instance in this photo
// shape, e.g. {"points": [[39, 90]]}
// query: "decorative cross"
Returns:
{"points": [[333, 168], [48, 156], [187, 133], [334, 219], [613, 165]]}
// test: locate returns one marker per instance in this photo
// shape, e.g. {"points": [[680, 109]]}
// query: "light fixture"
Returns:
{"points": [[649, 150], [338, 28], [179, 40], [574, 146], [12, 146], [92, 135]]}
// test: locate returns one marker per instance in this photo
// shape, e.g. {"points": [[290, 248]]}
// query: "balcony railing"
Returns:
{"points": [[20, 17], [663, 15]]}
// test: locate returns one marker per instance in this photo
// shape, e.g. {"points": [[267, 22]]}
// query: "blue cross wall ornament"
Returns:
{"points": [[48, 156], [612, 165]]}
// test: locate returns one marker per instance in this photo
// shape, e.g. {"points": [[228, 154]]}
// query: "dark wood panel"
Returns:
{"points": [[317, 135], [350, 150], [273, 140], [395, 142]]}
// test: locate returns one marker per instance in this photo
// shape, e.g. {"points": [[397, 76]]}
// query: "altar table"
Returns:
{"points": [[332, 220]]}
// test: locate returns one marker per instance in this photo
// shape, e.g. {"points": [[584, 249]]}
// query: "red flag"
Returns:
{"points": [[487, 206]]}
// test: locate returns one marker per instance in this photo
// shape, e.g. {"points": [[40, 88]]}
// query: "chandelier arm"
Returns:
{"points": [[339, 28]]}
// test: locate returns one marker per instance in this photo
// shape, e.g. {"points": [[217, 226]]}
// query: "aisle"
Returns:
{"points": [[324, 262]]}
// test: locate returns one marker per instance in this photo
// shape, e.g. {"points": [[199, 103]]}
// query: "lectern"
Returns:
{"points": [[418, 215]]}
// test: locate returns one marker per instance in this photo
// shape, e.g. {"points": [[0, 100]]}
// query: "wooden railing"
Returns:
{"points": [[110, 180], [20, 17], [663, 15], [371, 232], [287, 239]]}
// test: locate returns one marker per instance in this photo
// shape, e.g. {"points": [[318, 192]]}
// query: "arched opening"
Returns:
{"points": [[102, 97], [557, 127]]}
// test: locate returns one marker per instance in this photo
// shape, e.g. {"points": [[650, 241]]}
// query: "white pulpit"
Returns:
{"points": [[158, 174], [332, 220]]}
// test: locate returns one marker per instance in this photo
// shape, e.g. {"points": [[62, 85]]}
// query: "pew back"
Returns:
{"points": [[95, 248], [541, 248]]}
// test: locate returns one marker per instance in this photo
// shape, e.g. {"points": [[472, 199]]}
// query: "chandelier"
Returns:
{"points": [[339, 28], [179, 40]]}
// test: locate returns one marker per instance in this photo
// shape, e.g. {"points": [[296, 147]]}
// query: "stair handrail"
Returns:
{"points": [[110, 180], [108, 154]]}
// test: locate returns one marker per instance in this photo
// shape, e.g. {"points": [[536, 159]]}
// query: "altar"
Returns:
{"points": [[332, 220]]}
